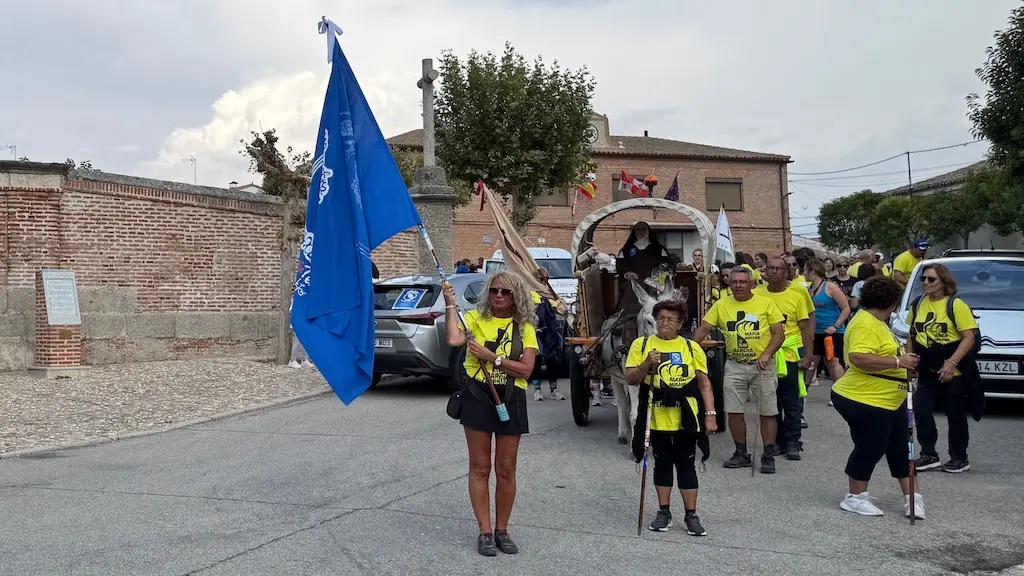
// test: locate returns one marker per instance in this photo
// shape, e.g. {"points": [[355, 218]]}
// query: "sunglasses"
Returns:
{"points": [[842, 265], [775, 269], [502, 291], [929, 279]]}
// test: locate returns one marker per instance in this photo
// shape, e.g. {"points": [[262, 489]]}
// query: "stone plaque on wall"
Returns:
{"points": [[61, 294]]}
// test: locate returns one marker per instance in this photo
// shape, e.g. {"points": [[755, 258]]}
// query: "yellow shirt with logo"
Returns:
{"points": [[794, 308], [745, 325], [868, 335], [933, 325], [905, 263], [486, 331], [676, 369]]}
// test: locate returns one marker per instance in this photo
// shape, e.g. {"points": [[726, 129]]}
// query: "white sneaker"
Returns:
{"points": [[595, 400], [306, 364], [293, 364], [538, 395], [557, 395], [918, 506], [860, 504]]}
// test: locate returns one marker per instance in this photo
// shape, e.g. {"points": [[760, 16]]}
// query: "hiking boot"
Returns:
{"points": [[662, 522], [792, 453], [485, 545], [739, 460], [956, 466], [860, 504], [927, 462], [538, 395], [504, 543], [693, 525], [767, 464], [557, 395]]}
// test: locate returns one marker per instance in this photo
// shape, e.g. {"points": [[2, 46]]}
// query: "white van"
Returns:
{"points": [[556, 261]]}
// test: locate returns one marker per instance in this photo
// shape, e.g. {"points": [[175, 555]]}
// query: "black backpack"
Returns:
{"points": [[952, 318], [550, 331]]}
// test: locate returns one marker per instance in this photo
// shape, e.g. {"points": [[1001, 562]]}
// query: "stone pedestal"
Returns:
{"points": [[58, 345], [434, 198]]}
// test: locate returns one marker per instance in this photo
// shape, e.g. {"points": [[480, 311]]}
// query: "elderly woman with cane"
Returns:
{"points": [[872, 398], [502, 351]]}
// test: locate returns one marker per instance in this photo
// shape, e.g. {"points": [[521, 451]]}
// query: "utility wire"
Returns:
{"points": [[893, 173], [901, 154]]}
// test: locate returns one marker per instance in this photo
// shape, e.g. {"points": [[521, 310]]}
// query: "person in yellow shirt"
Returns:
{"points": [[798, 333], [863, 257], [905, 262], [682, 410], [503, 346], [872, 398], [945, 344], [752, 327]]}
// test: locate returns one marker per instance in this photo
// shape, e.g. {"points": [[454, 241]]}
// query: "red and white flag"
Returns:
{"points": [[629, 184]]}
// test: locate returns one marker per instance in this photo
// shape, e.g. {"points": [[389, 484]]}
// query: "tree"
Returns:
{"points": [[846, 222], [990, 188], [410, 160], [285, 175], [83, 165], [898, 220], [954, 216], [520, 127], [999, 116]]}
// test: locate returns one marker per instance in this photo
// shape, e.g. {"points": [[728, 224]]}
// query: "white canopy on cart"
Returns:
{"points": [[583, 237]]}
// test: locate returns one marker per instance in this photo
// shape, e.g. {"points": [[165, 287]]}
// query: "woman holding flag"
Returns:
{"points": [[503, 348]]}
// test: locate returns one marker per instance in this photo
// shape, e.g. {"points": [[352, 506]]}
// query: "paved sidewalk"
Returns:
{"points": [[110, 401]]}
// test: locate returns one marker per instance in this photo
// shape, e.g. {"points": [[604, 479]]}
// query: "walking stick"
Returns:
{"points": [[910, 444], [647, 444], [499, 404]]}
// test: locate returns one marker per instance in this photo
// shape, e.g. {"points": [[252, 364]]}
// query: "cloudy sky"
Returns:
{"points": [[140, 86]]}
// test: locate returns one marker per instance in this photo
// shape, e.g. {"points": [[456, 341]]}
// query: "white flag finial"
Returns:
{"points": [[332, 30]]}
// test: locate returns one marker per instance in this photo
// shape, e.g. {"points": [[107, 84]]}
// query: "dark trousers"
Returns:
{"points": [[954, 397], [675, 450], [790, 407], [875, 432]]}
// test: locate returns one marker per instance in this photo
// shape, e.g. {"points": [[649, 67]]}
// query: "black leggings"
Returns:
{"points": [[955, 398], [675, 449], [876, 432]]}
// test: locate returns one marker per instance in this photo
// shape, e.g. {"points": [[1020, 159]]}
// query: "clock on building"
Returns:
{"points": [[592, 134]]}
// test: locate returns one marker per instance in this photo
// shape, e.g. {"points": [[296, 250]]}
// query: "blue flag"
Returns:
{"points": [[673, 190], [357, 200]]}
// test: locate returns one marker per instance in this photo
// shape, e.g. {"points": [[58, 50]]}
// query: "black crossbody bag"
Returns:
{"points": [[454, 407]]}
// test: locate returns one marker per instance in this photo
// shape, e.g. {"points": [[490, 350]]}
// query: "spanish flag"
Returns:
{"points": [[588, 189]]}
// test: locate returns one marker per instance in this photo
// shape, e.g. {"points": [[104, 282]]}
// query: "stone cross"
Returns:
{"points": [[426, 83]]}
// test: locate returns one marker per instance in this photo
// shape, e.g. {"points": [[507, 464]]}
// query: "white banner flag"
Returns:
{"points": [[723, 239]]}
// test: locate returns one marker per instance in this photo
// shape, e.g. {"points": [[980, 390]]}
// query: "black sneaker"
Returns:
{"points": [[505, 543], [485, 545], [803, 423], [792, 453], [956, 466], [773, 450], [662, 522], [693, 525], [738, 460], [767, 464], [927, 462]]}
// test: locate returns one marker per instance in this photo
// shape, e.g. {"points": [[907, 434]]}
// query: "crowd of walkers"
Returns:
{"points": [[783, 319]]}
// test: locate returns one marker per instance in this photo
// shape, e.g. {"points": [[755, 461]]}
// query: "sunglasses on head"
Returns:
{"points": [[929, 279], [503, 291]]}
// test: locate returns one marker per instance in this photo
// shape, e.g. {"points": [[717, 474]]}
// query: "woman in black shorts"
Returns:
{"points": [[831, 309], [503, 345]]}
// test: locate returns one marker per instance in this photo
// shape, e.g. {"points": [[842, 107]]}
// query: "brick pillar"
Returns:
{"points": [[56, 346]]}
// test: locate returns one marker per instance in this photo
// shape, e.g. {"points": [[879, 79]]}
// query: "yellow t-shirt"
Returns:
{"points": [[804, 293], [868, 335], [758, 279], [887, 269], [486, 331], [677, 369], [853, 269], [933, 325], [801, 281], [745, 325], [905, 263], [794, 309]]}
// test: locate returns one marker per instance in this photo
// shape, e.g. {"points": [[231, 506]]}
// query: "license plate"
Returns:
{"points": [[992, 367], [385, 343]]}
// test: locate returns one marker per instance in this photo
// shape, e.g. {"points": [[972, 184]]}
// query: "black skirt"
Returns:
{"points": [[481, 414]]}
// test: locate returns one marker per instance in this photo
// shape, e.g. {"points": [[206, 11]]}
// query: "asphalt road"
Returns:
{"points": [[379, 487]]}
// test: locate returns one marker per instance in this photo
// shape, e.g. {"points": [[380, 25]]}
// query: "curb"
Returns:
{"points": [[177, 425]]}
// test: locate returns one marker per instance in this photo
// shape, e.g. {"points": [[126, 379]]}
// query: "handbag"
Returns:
{"points": [[454, 407]]}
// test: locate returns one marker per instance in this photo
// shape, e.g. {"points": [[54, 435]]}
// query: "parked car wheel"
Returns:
{"points": [[579, 389], [455, 371]]}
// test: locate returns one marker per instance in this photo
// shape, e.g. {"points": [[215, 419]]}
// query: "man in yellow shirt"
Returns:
{"points": [[798, 333], [904, 264], [863, 257], [752, 326]]}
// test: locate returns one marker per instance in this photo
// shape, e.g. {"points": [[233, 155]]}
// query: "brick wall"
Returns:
{"points": [[55, 346], [762, 225], [164, 270]]}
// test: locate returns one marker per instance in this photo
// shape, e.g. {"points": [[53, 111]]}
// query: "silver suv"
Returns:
{"points": [[409, 316], [992, 287]]}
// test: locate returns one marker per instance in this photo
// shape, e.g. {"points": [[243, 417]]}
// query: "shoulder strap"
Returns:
{"points": [[949, 312], [689, 346], [913, 314], [516, 346]]}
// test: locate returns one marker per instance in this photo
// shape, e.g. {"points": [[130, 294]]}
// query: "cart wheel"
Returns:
{"points": [[579, 389]]}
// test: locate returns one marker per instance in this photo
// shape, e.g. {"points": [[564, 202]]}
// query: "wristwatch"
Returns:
{"points": [[497, 361]]}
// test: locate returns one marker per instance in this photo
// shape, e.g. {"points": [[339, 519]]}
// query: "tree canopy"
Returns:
{"points": [[520, 127], [845, 222]]}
